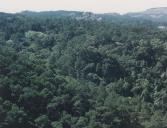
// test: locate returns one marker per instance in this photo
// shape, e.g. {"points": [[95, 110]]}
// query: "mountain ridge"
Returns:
{"points": [[153, 14]]}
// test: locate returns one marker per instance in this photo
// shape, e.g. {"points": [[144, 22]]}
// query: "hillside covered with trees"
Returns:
{"points": [[82, 71]]}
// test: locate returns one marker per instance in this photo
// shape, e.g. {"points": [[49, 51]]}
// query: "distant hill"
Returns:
{"points": [[59, 14], [89, 16], [154, 14]]}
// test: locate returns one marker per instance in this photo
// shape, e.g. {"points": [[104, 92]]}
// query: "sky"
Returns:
{"points": [[96, 6]]}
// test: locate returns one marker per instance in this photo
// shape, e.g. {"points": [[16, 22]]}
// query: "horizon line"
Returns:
{"points": [[77, 10]]}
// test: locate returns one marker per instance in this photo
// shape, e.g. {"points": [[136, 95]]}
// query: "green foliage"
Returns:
{"points": [[58, 72]]}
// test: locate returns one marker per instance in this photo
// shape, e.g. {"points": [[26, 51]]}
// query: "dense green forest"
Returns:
{"points": [[67, 72]]}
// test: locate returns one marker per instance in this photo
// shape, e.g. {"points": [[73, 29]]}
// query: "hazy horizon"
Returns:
{"points": [[96, 6]]}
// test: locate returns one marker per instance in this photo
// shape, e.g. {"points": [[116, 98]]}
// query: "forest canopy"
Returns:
{"points": [[59, 71]]}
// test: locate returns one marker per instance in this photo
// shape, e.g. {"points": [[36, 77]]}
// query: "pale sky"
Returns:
{"points": [[97, 6]]}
